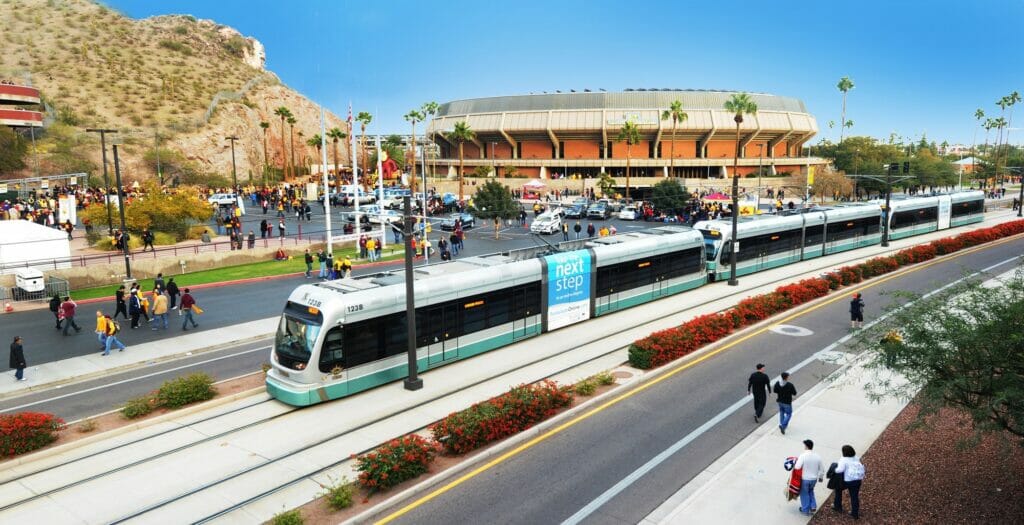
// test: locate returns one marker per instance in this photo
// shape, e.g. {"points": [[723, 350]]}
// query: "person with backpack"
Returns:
{"points": [[111, 329], [55, 308], [857, 311], [852, 472], [101, 329], [147, 240]]}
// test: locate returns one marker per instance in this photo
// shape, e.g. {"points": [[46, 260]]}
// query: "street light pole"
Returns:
{"points": [[760, 161], [234, 173], [120, 206], [888, 194], [106, 178], [412, 382]]}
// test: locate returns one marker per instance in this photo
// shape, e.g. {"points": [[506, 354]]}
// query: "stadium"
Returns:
{"points": [[550, 135]]}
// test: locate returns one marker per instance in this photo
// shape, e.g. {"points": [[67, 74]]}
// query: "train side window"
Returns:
{"points": [[395, 335], [331, 353], [361, 342], [474, 314], [499, 307]]}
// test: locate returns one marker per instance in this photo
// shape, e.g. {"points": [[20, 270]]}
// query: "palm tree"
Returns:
{"points": [[315, 141], [430, 109], [413, 117], [459, 135], [978, 115], [264, 125], [1008, 102], [291, 141], [284, 113], [844, 85], [676, 113], [336, 135], [739, 104], [364, 119], [630, 134]]}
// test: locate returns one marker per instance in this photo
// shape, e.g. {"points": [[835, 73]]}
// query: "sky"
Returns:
{"points": [[919, 67]]}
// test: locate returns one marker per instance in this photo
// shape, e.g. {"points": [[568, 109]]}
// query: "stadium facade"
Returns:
{"points": [[551, 134]]}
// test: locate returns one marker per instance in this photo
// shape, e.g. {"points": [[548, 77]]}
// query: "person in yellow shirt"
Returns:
{"points": [[101, 329], [371, 249], [159, 308]]}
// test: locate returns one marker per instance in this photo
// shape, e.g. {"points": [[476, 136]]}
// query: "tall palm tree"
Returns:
{"points": [[264, 125], [1009, 101], [978, 115], [284, 113], [676, 113], [316, 142], [291, 141], [430, 109], [364, 119], [413, 117], [739, 104], [630, 134], [844, 86], [988, 125], [336, 135], [459, 135], [1000, 125]]}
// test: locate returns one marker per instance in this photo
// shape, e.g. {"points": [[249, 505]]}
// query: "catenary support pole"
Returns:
{"points": [[412, 382], [121, 206]]}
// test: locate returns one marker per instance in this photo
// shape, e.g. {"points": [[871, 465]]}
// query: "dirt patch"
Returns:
{"points": [[923, 476], [317, 512], [106, 422]]}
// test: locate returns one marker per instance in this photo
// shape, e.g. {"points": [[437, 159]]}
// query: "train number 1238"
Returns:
{"points": [[354, 308]]}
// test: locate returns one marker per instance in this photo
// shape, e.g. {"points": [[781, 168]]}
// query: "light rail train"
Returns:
{"points": [[336, 338]]}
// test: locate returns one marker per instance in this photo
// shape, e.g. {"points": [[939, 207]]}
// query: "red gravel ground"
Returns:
{"points": [[922, 476]]}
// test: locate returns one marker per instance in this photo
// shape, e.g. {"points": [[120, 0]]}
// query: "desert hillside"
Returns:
{"points": [[192, 81]]}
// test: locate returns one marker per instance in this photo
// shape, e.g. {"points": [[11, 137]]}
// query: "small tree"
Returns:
{"points": [[960, 348], [12, 150], [669, 194], [606, 184], [827, 182], [494, 201], [482, 172]]}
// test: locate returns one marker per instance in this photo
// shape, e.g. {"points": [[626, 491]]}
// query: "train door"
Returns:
{"points": [[443, 331], [945, 209], [607, 295], [520, 313]]}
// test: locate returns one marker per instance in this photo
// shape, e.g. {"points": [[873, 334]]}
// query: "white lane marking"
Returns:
{"points": [[129, 380], [598, 502], [790, 330]]}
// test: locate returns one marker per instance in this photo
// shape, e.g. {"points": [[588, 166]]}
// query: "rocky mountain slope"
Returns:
{"points": [[194, 82]]}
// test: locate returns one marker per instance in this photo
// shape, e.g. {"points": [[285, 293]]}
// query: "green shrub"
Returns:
{"points": [[586, 387], [164, 239], [287, 517], [341, 494], [138, 407], [604, 378], [186, 390]]}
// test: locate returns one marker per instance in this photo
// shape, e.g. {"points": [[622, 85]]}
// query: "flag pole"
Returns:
{"points": [[380, 196], [327, 187]]}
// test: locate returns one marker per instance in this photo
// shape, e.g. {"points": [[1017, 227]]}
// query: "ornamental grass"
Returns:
{"points": [[668, 345]]}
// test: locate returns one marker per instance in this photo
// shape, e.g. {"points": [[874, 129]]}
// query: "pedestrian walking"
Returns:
{"points": [[55, 308], [158, 283], [172, 294], [101, 329], [188, 303], [121, 302], [159, 309], [252, 240], [134, 308], [322, 259], [857, 311], [785, 392], [577, 228], [281, 228], [812, 472], [67, 310], [371, 249], [590, 229], [848, 475], [565, 231], [18, 359], [346, 267], [147, 240], [759, 384], [308, 258], [111, 329]]}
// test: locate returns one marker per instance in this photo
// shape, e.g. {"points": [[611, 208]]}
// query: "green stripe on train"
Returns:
{"points": [[971, 219], [643, 297], [910, 232]]}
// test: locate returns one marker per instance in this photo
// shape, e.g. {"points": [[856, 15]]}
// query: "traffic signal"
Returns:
{"points": [[906, 167]]}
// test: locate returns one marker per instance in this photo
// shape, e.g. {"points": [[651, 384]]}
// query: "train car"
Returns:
{"points": [[765, 241], [852, 226], [966, 207], [337, 338]]}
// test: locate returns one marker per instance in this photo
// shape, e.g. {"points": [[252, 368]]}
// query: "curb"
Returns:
{"points": [[131, 366], [186, 411]]}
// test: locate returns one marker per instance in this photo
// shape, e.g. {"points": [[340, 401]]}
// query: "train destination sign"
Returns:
{"points": [[568, 288]]}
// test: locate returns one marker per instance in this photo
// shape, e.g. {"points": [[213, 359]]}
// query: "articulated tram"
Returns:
{"points": [[337, 338]]}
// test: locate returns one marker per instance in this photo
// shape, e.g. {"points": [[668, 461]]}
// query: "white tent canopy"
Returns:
{"points": [[27, 244], [534, 184]]}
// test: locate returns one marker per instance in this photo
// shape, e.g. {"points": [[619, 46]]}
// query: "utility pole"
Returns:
{"points": [[106, 178], [120, 207], [412, 382], [234, 173], [888, 193]]}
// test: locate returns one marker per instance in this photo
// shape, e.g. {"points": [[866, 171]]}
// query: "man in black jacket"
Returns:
{"points": [[785, 392], [18, 359], [760, 386]]}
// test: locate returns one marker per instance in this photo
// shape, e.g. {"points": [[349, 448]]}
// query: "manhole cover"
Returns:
{"points": [[786, 329]]}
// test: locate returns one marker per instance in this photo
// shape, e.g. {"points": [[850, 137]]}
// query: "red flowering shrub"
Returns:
{"points": [[947, 245], [394, 462], [919, 253], [27, 431], [505, 415], [800, 292], [835, 281], [758, 307], [850, 275]]}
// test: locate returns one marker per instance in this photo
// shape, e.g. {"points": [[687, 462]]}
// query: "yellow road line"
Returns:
{"points": [[670, 373]]}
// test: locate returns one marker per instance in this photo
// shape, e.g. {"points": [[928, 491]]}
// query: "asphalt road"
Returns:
{"points": [[230, 304], [556, 478]]}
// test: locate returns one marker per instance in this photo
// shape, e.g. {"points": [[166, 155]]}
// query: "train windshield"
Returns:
{"points": [[712, 242], [297, 334]]}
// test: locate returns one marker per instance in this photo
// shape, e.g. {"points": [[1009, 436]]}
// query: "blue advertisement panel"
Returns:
{"points": [[568, 288]]}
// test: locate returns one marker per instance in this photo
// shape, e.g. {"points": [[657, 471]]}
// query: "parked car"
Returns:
{"points": [[613, 205], [364, 214], [546, 223], [577, 211], [223, 199], [386, 216], [629, 213], [598, 211], [581, 201], [468, 221]]}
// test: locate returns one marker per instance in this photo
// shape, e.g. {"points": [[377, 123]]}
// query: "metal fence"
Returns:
{"points": [[53, 286]]}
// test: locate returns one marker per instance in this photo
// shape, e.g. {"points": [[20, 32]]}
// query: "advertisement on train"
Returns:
{"points": [[568, 288]]}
